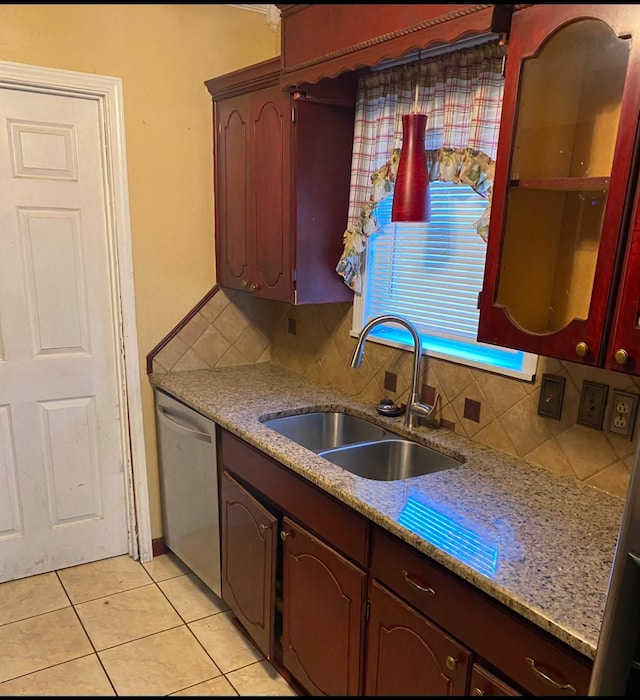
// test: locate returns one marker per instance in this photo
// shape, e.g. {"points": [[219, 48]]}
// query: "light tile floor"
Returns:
{"points": [[119, 627]]}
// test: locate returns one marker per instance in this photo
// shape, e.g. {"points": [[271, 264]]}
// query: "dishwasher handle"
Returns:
{"points": [[184, 429]]}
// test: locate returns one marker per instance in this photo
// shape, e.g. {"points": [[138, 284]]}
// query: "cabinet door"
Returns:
{"points": [[249, 545], [322, 615], [485, 683], [565, 151], [269, 196], [409, 655], [232, 189], [623, 352]]}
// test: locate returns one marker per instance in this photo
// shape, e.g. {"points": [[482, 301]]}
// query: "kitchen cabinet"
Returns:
{"points": [[323, 597], [282, 164], [249, 548], [313, 628], [561, 273], [320, 41], [426, 631], [483, 682], [409, 655], [521, 654]]}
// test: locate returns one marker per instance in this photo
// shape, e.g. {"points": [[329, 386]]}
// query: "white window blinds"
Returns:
{"points": [[432, 274]]}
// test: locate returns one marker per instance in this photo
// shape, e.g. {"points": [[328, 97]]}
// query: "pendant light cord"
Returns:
{"points": [[415, 105]]}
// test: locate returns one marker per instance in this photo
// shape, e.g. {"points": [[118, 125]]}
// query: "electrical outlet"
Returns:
{"points": [[551, 394], [622, 415], [592, 402]]}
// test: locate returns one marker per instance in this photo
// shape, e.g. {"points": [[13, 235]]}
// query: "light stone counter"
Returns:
{"points": [[546, 541]]}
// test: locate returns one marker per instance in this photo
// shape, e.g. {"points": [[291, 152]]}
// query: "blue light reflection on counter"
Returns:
{"points": [[468, 546]]}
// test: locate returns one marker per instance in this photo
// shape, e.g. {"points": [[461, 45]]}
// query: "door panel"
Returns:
{"points": [[61, 435]]}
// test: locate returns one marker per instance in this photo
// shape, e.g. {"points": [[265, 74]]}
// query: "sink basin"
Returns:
{"points": [[390, 459], [323, 430]]}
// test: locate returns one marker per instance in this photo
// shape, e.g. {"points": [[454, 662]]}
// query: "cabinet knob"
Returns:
{"points": [[284, 535], [249, 286], [621, 356], [582, 349], [477, 691], [264, 527], [450, 663]]}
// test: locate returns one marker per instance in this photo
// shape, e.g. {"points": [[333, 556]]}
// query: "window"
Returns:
{"points": [[429, 273], [432, 274]]}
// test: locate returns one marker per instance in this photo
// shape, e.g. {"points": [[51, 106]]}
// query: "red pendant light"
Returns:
{"points": [[411, 191]]}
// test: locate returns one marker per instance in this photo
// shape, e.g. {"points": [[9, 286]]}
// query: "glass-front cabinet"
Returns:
{"points": [[564, 182]]}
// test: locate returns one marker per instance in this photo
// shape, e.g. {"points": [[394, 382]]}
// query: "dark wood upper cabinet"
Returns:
{"points": [[282, 164], [561, 275]]}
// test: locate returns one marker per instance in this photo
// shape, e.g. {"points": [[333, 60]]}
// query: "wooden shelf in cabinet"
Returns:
{"points": [[564, 184]]}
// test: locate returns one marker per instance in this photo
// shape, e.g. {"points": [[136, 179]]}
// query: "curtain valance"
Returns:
{"points": [[461, 93]]}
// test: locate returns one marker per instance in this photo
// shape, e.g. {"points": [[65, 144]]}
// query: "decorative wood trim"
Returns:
{"points": [[374, 41], [158, 547], [425, 27], [254, 77], [172, 333]]}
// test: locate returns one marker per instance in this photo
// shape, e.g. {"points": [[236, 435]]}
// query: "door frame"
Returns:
{"points": [[108, 93]]}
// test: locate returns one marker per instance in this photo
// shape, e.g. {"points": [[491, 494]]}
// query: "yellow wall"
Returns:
{"points": [[163, 54]]}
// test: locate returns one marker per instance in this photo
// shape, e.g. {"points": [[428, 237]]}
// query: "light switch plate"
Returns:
{"points": [[551, 395], [593, 399]]}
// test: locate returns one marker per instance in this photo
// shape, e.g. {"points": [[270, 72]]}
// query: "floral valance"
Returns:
{"points": [[458, 165]]}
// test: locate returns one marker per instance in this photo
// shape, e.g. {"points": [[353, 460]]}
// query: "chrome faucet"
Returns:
{"points": [[430, 414]]}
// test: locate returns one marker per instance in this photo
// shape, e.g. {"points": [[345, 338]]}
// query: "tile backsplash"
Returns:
{"points": [[234, 328]]}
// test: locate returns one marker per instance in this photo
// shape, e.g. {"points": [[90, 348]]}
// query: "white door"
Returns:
{"points": [[63, 448]]}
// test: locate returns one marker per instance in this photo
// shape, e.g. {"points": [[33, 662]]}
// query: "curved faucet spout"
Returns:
{"points": [[431, 414]]}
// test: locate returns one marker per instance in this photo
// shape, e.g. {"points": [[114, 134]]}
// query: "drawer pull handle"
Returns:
{"points": [[548, 680], [412, 583]]}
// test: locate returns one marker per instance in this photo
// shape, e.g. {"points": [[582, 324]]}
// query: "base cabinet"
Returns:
{"points": [[407, 654], [341, 606], [300, 596], [249, 547], [483, 682], [323, 597]]}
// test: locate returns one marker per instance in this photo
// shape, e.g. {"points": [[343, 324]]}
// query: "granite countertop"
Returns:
{"points": [[540, 543]]}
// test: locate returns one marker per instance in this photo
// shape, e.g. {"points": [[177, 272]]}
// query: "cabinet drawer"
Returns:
{"points": [[483, 682], [327, 517], [535, 660]]}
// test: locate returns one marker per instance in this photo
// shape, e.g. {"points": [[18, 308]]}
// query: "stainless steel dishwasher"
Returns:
{"points": [[189, 487]]}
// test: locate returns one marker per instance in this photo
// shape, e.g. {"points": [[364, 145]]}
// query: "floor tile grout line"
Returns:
{"points": [[184, 623]]}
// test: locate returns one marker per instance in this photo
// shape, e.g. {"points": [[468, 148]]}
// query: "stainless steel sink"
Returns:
{"points": [[390, 459], [323, 430]]}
